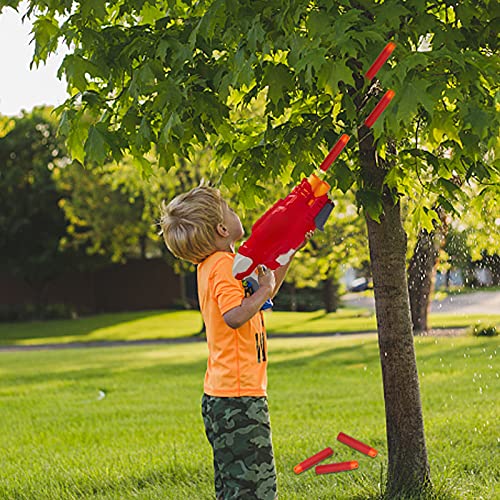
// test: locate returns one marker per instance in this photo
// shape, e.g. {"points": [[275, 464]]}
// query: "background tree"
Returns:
{"points": [[171, 73], [114, 213], [31, 221], [453, 242]]}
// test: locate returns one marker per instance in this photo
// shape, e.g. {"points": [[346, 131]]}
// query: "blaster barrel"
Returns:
{"points": [[334, 152]]}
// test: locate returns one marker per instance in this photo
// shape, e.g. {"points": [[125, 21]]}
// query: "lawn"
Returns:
{"points": [[124, 422], [173, 324]]}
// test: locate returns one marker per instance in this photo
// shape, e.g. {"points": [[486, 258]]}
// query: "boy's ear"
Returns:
{"points": [[222, 230]]}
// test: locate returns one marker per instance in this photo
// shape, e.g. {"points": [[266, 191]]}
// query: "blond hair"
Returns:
{"points": [[189, 223]]}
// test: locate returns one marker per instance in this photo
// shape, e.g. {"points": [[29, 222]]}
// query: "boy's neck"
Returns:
{"points": [[225, 246]]}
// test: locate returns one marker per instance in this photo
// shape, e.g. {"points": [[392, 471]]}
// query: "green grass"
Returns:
{"points": [[145, 438], [175, 324]]}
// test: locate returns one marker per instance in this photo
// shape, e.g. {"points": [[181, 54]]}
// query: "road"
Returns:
{"points": [[466, 303]]}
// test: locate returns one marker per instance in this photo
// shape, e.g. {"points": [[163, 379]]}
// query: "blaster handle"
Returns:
{"points": [[322, 217], [251, 285]]}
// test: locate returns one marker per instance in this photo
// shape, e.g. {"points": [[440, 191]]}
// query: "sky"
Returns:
{"points": [[20, 87]]}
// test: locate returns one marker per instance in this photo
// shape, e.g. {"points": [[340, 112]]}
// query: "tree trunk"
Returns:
{"points": [[142, 243], [420, 279], [184, 302], [408, 468], [422, 272], [293, 298], [447, 279], [330, 295]]}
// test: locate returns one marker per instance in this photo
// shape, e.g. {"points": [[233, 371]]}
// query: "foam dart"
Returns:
{"points": [[334, 152], [338, 467], [379, 62], [357, 445], [311, 461], [379, 108]]}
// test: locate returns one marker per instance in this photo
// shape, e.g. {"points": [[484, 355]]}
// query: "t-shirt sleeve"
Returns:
{"points": [[228, 291]]}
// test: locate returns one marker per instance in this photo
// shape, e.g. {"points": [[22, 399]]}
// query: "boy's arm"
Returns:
{"points": [[250, 306], [280, 275]]}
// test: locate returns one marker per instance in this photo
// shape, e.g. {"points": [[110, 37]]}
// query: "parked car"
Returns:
{"points": [[359, 285]]}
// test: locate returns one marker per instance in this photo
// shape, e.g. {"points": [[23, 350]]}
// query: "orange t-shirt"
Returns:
{"points": [[237, 359]]}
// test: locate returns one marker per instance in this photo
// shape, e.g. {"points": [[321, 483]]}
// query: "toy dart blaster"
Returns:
{"points": [[278, 234]]}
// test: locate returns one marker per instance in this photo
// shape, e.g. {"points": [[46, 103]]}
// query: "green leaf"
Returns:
{"points": [[344, 176], [151, 13], [413, 94], [93, 9], [46, 31], [96, 146], [317, 24], [372, 203], [425, 217], [447, 205], [170, 128], [450, 187], [144, 136], [75, 129], [333, 72], [390, 13], [280, 80], [75, 68], [144, 166], [479, 120], [255, 35]]}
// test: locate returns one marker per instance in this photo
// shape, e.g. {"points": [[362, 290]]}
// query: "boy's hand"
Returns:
{"points": [[266, 278], [309, 235]]}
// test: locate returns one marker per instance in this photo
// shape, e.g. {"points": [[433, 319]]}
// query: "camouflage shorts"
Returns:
{"points": [[239, 431]]}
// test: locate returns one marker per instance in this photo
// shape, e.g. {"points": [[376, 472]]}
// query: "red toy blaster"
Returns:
{"points": [[278, 234]]}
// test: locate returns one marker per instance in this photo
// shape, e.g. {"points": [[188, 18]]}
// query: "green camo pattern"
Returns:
{"points": [[239, 431]]}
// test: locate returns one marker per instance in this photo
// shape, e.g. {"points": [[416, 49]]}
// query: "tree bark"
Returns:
{"points": [[420, 279], [408, 468], [422, 272], [293, 298], [330, 295]]}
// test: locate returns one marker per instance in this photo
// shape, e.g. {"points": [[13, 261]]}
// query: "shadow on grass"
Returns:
{"points": [[320, 314], [339, 355], [10, 333]]}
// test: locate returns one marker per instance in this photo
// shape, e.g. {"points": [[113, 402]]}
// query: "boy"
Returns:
{"points": [[198, 226]]}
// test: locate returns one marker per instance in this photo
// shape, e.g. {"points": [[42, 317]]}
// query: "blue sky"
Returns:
{"points": [[20, 87]]}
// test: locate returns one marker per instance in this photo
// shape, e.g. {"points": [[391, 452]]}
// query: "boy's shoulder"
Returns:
{"points": [[217, 257], [216, 260], [216, 268]]}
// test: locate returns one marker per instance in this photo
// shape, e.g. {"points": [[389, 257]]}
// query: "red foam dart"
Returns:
{"points": [[379, 108], [379, 62], [334, 152], [357, 445], [338, 467], [311, 461]]}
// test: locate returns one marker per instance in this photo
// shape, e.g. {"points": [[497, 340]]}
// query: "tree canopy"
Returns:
{"points": [[164, 76]]}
